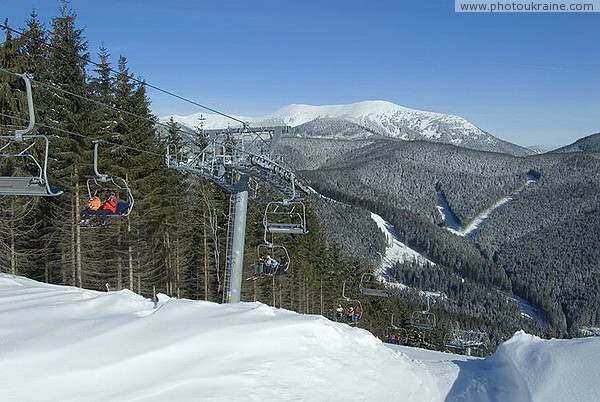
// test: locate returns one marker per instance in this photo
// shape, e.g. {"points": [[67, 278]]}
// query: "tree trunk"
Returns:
{"points": [[75, 270], [130, 256], [78, 258], [321, 295], [205, 258], [63, 267], [177, 269], [13, 254], [119, 258], [167, 246]]}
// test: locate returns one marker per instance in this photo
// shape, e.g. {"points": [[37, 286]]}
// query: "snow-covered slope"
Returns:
{"points": [[67, 344], [386, 118], [395, 250], [379, 117]]}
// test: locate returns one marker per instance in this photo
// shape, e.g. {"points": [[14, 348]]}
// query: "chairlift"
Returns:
{"points": [[423, 319], [265, 254], [465, 341], [348, 310], [32, 153], [396, 335], [287, 216], [105, 184], [370, 286]]}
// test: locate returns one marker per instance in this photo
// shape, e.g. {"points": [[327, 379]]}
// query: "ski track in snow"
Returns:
{"points": [[395, 251], [451, 223]]}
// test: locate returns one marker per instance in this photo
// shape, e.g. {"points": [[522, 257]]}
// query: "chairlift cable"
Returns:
{"points": [[84, 136], [50, 87], [131, 77]]}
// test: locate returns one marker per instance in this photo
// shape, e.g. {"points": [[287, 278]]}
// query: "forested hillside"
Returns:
{"points": [[539, 245]]}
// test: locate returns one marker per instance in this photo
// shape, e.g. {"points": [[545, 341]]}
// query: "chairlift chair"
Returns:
{"points": [[396, 335], [285, 217], [423, 319], [278, 253], [370, 286], [347, 303], [451, 341], [31, 150], [110, 184], [465, 341]]}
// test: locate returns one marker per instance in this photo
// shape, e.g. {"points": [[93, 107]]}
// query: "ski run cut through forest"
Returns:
{"points": [[63, 343]]}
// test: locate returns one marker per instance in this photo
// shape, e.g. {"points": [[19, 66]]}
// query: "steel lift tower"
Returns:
{"points": [[229, 158]]}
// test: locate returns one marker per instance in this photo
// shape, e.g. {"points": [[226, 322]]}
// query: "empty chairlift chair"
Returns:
{"points": [[285, 217], [370, 286], [28, 156], [423, 319]]}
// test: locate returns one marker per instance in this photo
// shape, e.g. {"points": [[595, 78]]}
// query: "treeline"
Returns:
{"points": [[546, 240], [539, 246]]}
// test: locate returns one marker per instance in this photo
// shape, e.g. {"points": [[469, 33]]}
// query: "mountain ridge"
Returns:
{"points": [[379, 118], [590, 143]]}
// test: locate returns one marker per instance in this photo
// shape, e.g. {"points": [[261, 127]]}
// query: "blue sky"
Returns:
{"points": [[526, 78]]}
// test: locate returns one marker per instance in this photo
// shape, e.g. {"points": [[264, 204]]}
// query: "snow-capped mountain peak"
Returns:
{"points": [[378, 117], [297, 114]]}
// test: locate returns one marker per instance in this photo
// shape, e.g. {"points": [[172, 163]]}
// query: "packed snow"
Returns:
{"points": [[62, 343], [395, 250]]}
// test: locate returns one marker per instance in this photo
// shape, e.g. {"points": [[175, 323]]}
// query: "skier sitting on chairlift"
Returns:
{"points": [[283, 264], [109, 206], [272, 264], [92, 207], [259, 267], [339, 311], [356, 315]]}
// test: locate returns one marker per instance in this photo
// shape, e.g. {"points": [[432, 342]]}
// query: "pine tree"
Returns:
{"points": [[67, 61], [12, 118], [35, 48]]}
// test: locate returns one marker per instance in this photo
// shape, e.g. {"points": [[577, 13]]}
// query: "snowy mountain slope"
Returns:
{"points": [[395, 250], [451, 223], [380, 118], [62, 343]]}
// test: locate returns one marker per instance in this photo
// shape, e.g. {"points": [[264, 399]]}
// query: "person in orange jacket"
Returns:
{"points": [[109, 206], [93, 205]]}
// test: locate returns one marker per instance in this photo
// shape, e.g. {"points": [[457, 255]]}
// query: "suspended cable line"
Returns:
{"points": [[49, 87], [83, 136], [141, 82]]}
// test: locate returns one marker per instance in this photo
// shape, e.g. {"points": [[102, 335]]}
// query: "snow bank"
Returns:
{"points": [[68, 344]]}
